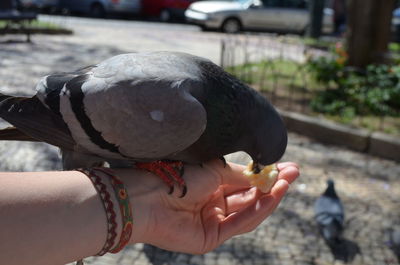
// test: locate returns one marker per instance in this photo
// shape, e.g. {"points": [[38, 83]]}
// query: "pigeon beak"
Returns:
{"points": [[257, 167]]}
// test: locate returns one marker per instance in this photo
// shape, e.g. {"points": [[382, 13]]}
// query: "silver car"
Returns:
{"points": [[236, 15]]}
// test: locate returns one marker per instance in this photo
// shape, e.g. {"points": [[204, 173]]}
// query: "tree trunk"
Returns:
{"points": [[368, 31]]}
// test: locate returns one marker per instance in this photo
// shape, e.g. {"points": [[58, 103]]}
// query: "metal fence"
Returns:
{"points": [[260, 62], [277, 66]]}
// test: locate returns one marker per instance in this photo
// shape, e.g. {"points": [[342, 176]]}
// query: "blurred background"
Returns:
{"points": [[331, 67]]}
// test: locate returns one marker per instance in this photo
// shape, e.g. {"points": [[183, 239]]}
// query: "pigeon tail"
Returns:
{"points": [[13, 134], [332, 232], [32, 118], [3, 97]]}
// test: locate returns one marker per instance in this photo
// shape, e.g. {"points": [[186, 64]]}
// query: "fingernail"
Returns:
{"points": [[258, 205]]}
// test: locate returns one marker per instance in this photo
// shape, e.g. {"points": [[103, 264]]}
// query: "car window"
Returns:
{"points": [[295, 3], [285, 3], [271, 3]]}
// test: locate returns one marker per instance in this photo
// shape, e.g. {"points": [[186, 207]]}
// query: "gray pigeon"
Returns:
{"points": [[329, 215], [147, 107]]}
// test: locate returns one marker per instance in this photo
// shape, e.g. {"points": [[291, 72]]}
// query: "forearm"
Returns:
{"points": [[58, 217], [49, 218]]}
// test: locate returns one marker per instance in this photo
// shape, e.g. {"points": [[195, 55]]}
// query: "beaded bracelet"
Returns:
{"points": [[101, 189], [126, 211]]}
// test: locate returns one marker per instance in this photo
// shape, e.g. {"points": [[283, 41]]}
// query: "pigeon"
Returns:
{"points": [[395, 242], [156, 110], [329, 215]]}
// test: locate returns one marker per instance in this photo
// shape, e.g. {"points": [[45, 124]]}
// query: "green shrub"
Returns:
{"points": [[350, 92]]}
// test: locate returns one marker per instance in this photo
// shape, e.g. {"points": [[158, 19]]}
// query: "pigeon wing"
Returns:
{"points": [[327, 209], [126, 109]]}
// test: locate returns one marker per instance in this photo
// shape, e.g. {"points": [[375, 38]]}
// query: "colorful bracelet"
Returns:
{"points": [[101, 189], [125, 207]]}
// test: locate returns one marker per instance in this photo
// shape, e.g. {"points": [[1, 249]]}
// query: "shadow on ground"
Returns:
{"points": [[236, 252]]}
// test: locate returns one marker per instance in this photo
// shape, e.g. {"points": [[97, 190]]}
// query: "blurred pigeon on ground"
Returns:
{"points": [[395, 242], [329, 215], [157, 110]]}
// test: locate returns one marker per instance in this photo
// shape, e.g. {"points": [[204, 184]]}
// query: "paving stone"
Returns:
{"points": [[224, 261], [210, 259], [304, 262], [197, 260]]}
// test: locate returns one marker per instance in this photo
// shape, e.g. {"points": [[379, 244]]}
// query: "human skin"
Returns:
{"points": [[58, 217]]}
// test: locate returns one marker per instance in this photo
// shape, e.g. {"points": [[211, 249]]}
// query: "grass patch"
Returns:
{"points": [[269, 76], [319, 43], [36, 24], [291, 86], [394, 47]]}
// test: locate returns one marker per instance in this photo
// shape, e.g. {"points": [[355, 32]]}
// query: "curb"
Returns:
{"points": [[375, 143]]}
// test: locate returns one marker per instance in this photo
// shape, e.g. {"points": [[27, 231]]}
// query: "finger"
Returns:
{"points": [[250, 217], [242, 199], [231, 174], [282, 165], [277, 193], [289, 173]]}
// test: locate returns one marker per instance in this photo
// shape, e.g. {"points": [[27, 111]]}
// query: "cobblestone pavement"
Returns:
{"points": [[368, 186]]}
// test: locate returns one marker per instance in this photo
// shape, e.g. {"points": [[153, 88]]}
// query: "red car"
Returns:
{"points": [[165, 10]]}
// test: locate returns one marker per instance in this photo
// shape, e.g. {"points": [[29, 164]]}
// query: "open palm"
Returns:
{"points": [[218, 205]]}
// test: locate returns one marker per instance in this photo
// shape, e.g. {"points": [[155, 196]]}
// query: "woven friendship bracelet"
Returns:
{"points": [[101, 189], [125, 207]]}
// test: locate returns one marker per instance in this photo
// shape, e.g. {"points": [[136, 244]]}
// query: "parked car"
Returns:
{"points": [[100, 8], [42, 5], [165, 10], [236, 15]]}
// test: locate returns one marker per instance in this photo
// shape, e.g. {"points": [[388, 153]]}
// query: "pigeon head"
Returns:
{"points": [[238, 118], [266, 133], [330, 183], [330, 190]]}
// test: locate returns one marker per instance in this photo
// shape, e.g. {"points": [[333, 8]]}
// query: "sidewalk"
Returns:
{"points": [[368, 186]]}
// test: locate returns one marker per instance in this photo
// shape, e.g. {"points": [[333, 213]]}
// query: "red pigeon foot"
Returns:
{"points": [[170, 172]]}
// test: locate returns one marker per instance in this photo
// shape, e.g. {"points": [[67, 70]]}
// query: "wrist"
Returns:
{"points": [[144, 194], [111, 209]]}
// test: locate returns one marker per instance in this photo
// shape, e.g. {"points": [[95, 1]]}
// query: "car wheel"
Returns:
{"points": [[165, 15], [231, 25], [97, 10], [204, 28]]}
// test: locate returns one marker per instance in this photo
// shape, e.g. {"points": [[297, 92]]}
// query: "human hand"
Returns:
{"points": [[219, 204]]}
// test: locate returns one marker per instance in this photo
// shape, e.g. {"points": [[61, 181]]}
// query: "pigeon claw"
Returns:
{"points": [[184, 190], [170, 172], [171, 190]]}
